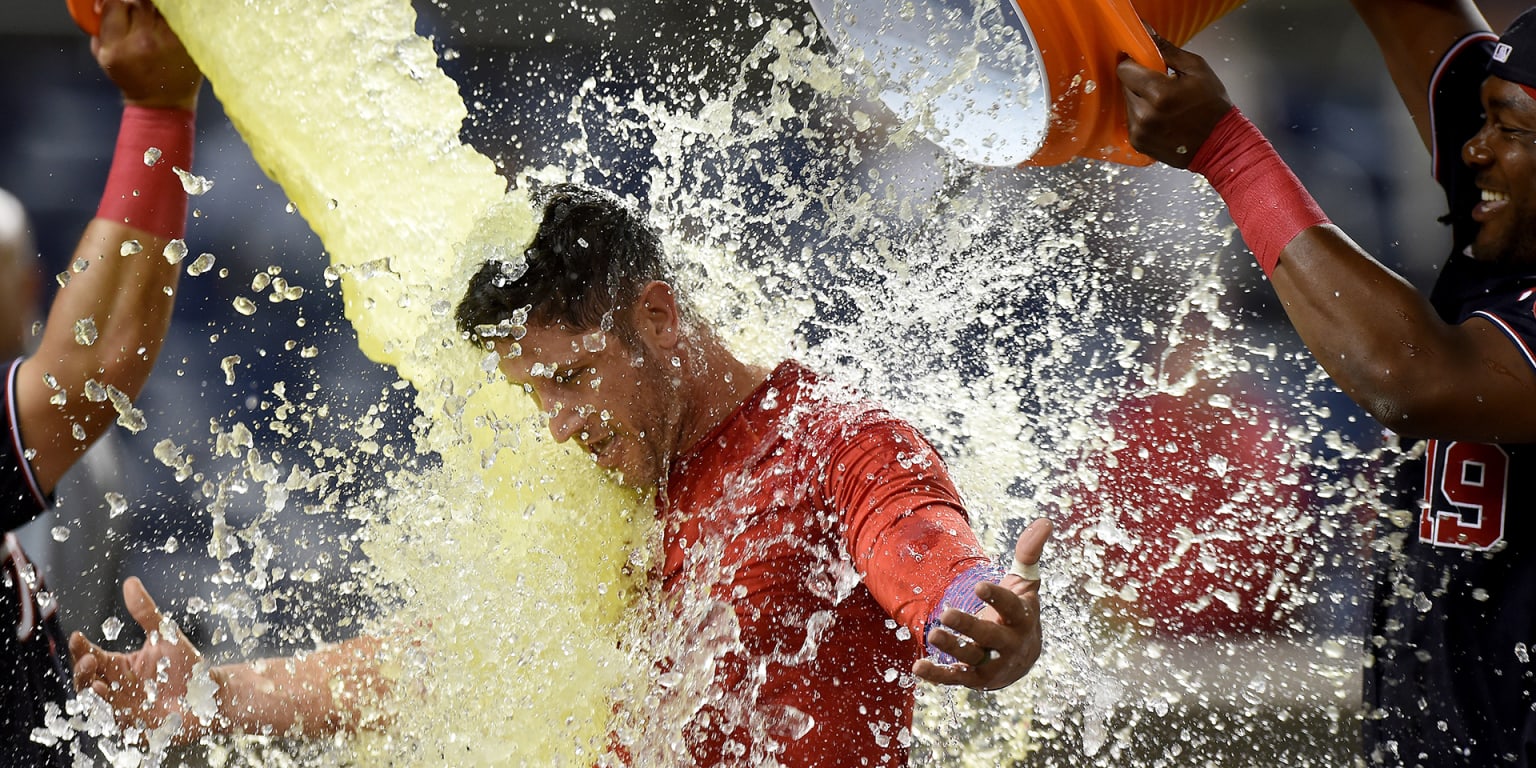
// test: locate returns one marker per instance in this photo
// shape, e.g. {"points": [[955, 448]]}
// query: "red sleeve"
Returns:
{"points": [[905, 524]]}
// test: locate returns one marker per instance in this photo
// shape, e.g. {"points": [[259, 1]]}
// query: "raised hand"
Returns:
{"points": [[1172, 112], [164, 684], [999, 645], [140, 53]]}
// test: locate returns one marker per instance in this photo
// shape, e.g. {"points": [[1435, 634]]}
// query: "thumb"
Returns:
{"points": [[141, 606], [1028, 551], [1177, 59], [1032, 541]]}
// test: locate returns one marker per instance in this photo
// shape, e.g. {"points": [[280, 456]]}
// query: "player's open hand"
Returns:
{"points": [[148, 688], [999, 645]]}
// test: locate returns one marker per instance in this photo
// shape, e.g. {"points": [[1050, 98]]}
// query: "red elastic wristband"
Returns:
{"points": [[142, 189], [1267, 201]]}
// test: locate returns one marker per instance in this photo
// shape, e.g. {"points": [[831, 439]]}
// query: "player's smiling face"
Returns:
{"points": [[610, 397], [1503, 153]]}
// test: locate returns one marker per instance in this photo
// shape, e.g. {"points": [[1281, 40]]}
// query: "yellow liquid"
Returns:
{"points": [[510, 559]]}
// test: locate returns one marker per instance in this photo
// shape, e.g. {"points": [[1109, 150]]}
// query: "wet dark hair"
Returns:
{"points": [[592, 255]]}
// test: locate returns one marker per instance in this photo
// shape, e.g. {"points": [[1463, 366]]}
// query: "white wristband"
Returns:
{"points": [[1026, 571]]}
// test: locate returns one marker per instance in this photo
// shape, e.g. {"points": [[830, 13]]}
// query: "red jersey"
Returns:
{"points": [[809, 540]]}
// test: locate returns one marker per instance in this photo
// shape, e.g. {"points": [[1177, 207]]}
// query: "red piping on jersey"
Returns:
{"points": [[1530, 358]]}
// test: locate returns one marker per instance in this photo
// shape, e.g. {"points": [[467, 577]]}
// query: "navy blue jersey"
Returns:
{"points": [[1449, 679], [34, 670]]}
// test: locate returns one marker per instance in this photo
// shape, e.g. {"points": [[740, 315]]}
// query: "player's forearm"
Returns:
{"points": [[1378, 338], [122, 278], [123, 298], [110, 316], [315, 694]]}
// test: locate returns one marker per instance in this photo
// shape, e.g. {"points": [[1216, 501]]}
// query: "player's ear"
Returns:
{"points": [[655, 315]]}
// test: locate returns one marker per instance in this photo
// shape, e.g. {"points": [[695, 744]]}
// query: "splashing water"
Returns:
{"points": [[509, 662], [1016, 319]]}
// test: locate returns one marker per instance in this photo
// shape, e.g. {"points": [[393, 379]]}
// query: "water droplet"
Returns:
{"points": [[85, 331], [201, 264], [60, 533], [152, 156], [1218, 464], [130, 248], [111, 628], [94, 391], [260, 282], [175, 251], [193, 184], [244, 306], [128, 417], [116, 503], [228, 366], [1333, 649]]}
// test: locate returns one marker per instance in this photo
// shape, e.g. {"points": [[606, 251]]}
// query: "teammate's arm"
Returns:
{"points": [[107, 323], [1414, 36], [1380, 340], [167, 679]]}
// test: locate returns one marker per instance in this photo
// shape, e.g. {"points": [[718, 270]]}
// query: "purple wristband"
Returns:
{"points": [[961, 595]]}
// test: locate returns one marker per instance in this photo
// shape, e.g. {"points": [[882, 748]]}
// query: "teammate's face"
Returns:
{"points": [[1503, 153], [612, 398]]}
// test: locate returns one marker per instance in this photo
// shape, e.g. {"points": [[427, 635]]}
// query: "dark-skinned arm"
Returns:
{"points": [[1414, 35], [126, 298], [1380, 340]]}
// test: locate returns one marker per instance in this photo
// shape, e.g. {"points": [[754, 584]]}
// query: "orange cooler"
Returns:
{"points": [[1012, 82]]}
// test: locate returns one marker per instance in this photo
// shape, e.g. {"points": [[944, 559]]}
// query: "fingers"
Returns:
{"points": [[1148, 83], [958, 638], [1136, 79], [114, 21], [93, 667], [1017, 607], [946, 674], [82, 655]]}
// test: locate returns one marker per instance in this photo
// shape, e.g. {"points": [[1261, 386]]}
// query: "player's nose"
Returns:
{"points": [[564, 423]]}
